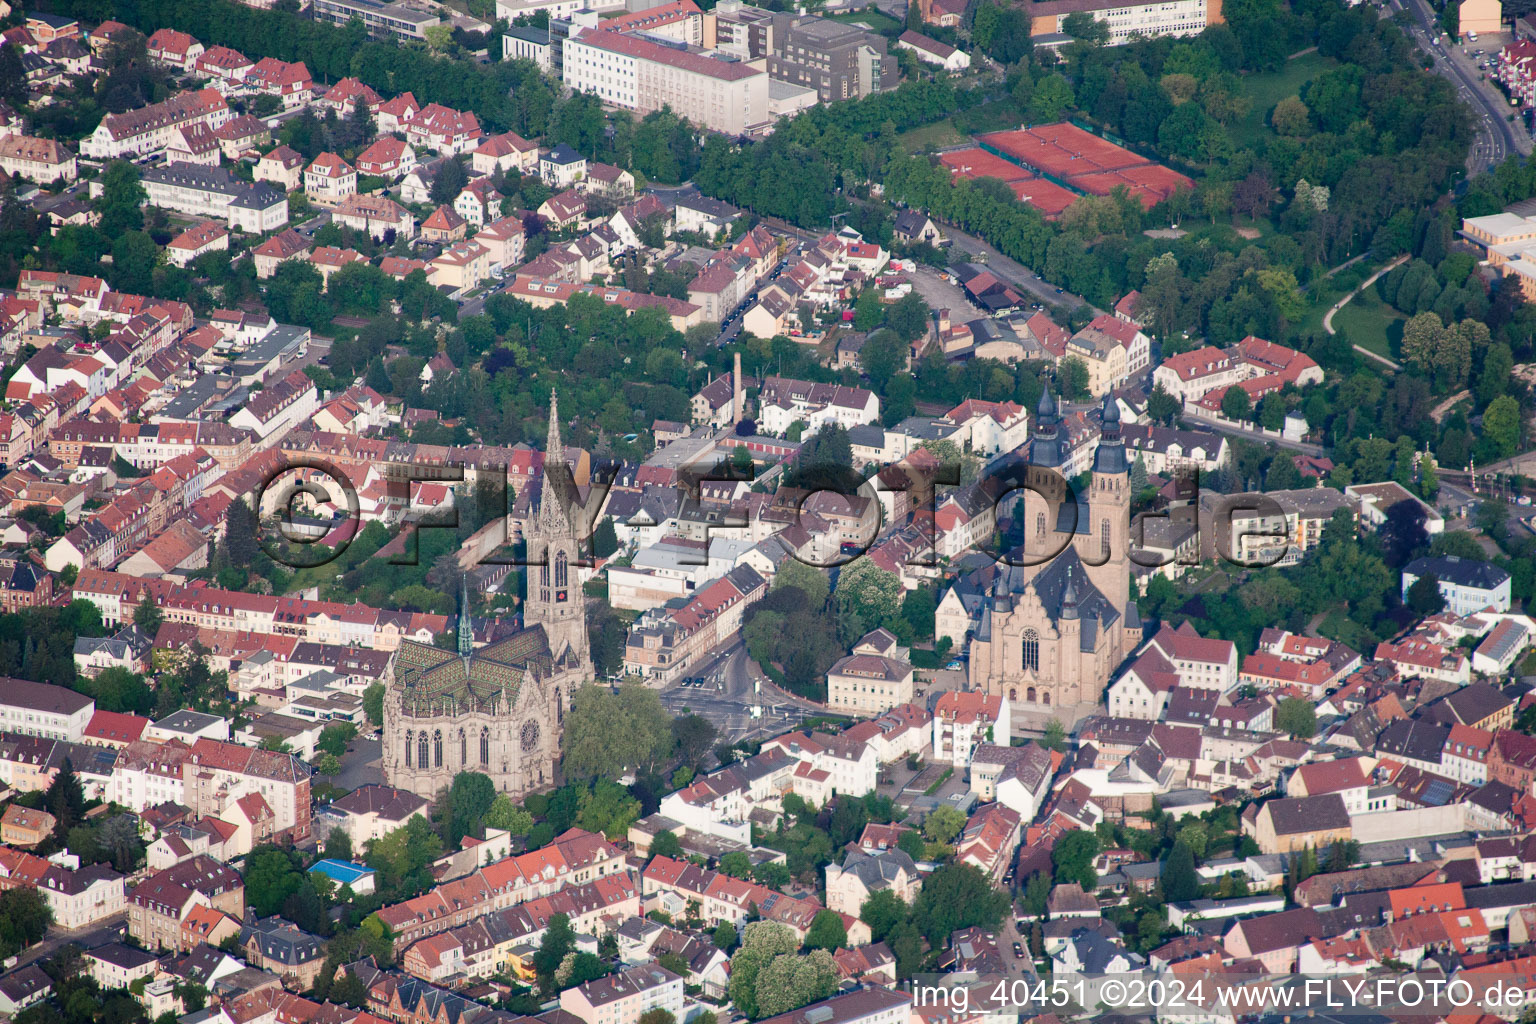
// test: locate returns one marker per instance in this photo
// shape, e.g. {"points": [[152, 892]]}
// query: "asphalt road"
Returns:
{"points": [[110, 930], [728, 695], [1496, 137]]}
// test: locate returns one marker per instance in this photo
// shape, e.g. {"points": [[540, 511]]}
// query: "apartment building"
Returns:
{"points": [[383, 20], [874, 678], [148, 130], [40, 160], [159, 904], [838, 61], [637, 74], [39, 709], [625, 995], [1128, 20], [214, 192]]}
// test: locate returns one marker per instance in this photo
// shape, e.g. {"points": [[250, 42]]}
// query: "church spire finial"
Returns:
{"points": [[466, 628], [554, 447]]}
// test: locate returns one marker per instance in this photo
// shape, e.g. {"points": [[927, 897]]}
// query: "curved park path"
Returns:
{"points": [[1328, 316]]}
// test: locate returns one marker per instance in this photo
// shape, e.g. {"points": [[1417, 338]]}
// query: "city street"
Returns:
{"points": [[728, 694], [1497, 138], [109, 930]]}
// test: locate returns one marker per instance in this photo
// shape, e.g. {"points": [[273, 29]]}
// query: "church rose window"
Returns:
{"points": [[530, 736]]}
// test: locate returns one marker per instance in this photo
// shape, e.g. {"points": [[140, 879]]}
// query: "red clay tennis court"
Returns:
{"points": [[1046, 196], [978, 163], [1061, 150], [1150, 183]]}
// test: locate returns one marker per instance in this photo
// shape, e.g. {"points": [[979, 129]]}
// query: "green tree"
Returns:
{"points": [[1179, 880], [607, 807], [122, 199], [826, 932], [505, 814], [1072, 856], [1055, 736], [558, 941], [1296, 717], [1424, 595], [335, 737], [469, 797], [1291, 117], [1501, 425], [373, 704], [736, 864], [724, 936], [882, 911], [1072, 377], [24, 919], [665, 844], [944, 824], [957, 896], [867, 596], [147, 616], [328, 765], [1162, 407], [607, 733], [1037, 893], [1236, 405]]}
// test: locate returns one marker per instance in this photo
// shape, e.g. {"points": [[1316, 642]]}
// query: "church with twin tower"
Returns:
{"points": [[499, 709], [1053, 630]]}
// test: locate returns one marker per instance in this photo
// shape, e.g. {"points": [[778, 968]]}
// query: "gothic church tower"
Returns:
{"points": [[554, 593]]}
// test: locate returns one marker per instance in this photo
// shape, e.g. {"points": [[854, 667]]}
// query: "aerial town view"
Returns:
{"points": [[767, 512]]}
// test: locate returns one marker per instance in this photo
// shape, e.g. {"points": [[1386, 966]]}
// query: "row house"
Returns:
{"points": [[278, 408], [574, 858], [115, 596], [1415, 657], [852, 766], [241, 136], [68, 295], [666, 882], [159, 904], [484, 947], [665, 642]]}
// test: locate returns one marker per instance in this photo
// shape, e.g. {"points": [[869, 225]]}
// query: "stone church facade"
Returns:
{"points": [[498, 709], [1053, 630]]}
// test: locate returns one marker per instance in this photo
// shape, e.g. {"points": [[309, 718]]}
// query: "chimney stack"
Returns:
{"points": [[737, 395]]}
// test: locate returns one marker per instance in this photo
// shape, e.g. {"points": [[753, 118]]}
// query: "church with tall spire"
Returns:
{"points": [[1058, 618], [499, 709]]}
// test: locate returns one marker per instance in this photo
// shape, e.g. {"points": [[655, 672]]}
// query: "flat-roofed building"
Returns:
{"points": [[385, 20], [637, 74]]}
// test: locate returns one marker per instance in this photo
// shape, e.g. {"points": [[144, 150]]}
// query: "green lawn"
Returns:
{"points": [[876, 20], [1265, 90], [1371, 324], [939, 135]]}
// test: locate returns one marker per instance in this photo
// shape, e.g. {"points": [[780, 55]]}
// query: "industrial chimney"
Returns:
{"points": [[738, 396]]}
